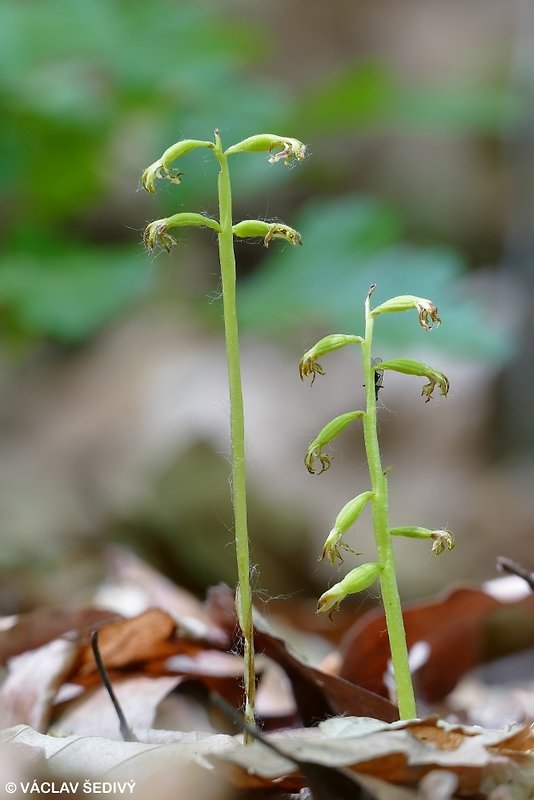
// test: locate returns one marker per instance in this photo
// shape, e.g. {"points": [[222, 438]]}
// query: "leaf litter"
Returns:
{"points": [[338, 738]]}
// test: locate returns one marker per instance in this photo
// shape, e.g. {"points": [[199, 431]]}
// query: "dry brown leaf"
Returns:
{"points": [[317, 694], [165, 766], [400, 753], [132, 586], [462, 629], [130, 642], [93, 713], [438, 785], [32, 681], [32, 630]]}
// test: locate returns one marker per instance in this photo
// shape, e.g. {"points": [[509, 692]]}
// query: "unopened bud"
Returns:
{"points": [[286, 148], [357, 580], [410, 366], [329, 432], [308, 363], [252, 228], [346, 517], [426, 310]]}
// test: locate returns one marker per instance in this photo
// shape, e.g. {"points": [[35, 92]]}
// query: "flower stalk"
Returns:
{"points": [[380, 515], [237, 425], [157, 233], [382, 570]]}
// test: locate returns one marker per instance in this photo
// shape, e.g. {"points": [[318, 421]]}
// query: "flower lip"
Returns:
{"points": [[309, 366], [428, 314], [291, 148], [442, 539]]}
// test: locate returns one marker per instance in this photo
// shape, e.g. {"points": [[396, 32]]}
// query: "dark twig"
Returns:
{"points": [[126, 732], [514, 568]]}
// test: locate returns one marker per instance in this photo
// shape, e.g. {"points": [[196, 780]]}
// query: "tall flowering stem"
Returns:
{"points": [[279, 148], [237, 424]]}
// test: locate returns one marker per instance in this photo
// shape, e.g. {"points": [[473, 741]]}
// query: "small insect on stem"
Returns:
{"points": [[379, 376]]}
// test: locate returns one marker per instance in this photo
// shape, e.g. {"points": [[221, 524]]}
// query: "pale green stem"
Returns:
{"points": [[379, 501], [237, 427]]}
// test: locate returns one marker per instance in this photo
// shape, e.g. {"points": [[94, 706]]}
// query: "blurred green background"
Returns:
{"points": [[113, 408]]}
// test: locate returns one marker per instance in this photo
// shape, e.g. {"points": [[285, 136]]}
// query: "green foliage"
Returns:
{"points": [[67, 295], [89, 90], [75, 75], [350, 243], [85, 89], [369, 95]]}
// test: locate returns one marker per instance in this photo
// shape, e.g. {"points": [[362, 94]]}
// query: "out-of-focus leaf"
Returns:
{"points": [[36, 628], [460, 630], [93, 713], [400, 753], [32, 681], [82, 91], [317, 694], [348, 245], [166, 760], [68, 295], [368, 95]]}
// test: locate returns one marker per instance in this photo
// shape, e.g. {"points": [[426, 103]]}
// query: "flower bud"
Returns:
{"points": [[356, 581], [308, 364], [410, 366], [346, 517], [442, 538], [329, 432], [252, 228], [427, 311], [162, 169], [156, 233], [267, 142]]}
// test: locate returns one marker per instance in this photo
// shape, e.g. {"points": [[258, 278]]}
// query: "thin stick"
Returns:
{"points": [[515, 568], [126, 732]]}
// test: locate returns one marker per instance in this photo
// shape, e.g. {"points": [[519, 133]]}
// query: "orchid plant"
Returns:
{"points": [[279, 148], [383, 570]]}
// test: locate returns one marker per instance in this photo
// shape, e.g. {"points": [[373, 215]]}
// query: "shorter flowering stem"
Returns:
{"points": [[363, 576], [379, 506]]}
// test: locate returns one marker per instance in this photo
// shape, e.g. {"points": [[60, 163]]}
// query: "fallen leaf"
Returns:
{"points": [[94, 715], [31, 631], [132, 587], [399, 753], [438, 785], [167, 766], [32, 681], [460, 630], [149, 637], [317, 694]]}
